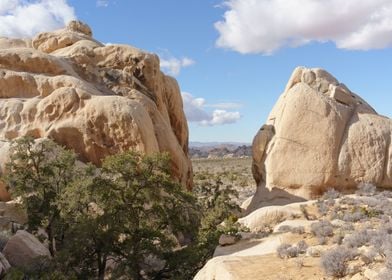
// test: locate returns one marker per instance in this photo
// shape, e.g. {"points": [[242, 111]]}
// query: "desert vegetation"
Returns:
{"points": [[128, 219], [235, 172], [349, 234]]}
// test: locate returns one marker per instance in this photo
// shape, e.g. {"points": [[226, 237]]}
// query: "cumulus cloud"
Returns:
{"points": [[21, 18], [102, 3], [264, 26], [173, 65], [226, 105], [195, 112]]}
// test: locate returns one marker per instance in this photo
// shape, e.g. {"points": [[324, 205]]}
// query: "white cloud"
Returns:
{"points": [[173, 65], [195, 112], [264, 26], [102, 3], [226, 105], [20, 18]]}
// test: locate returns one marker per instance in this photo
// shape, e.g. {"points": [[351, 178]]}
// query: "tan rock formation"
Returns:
{"points": [[22, 248], [92, 98], [319, 135]]}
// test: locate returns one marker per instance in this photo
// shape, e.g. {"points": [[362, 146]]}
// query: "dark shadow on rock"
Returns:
{"points": [[265, 197]]}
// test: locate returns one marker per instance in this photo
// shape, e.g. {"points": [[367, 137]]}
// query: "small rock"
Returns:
{"points": [[226, 239], [338, 223], [316, 251], [358, 276], [370, 274]]}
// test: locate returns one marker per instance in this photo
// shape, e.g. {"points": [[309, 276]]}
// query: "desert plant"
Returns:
{"points": [[334, 262], [298, 230], [322, 207], [338, 237], [282, 250], [385, 274], [285, 228], [366, 189], [356, 214], [331, 194], [357, 239], [304, 211], [287, 251], [302, 246], [322, 230], [39, 173]]}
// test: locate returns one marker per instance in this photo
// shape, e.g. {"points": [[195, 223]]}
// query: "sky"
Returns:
{"points": [[232, 59]]}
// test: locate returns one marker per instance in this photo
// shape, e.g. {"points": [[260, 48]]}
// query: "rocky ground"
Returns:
{"points": [[337, 236]]}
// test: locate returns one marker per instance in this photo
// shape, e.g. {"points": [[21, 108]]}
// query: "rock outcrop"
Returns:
{"points": [[93, 98], [319, 135], [23, 248]]}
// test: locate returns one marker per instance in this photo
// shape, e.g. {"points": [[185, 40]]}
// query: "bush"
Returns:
{"points": [[385, 275], [322, 207], [288, 251], [294, 230], [334, 262], [282, 250], [285, 228], [357, 239], [354, 216], [331, 194], [298, 230], [302, 246], [338, 238], [322, 230], [366, 189]]}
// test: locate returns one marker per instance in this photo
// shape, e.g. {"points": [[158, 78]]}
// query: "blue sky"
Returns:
{"points": [[242, 74]]}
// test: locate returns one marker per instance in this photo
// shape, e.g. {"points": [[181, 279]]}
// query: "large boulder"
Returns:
{"points": [[319, 135], [23, 248], [93, 98]]}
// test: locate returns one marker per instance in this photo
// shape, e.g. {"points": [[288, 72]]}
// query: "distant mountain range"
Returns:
{"points": [[219, 149], [214, 144]]}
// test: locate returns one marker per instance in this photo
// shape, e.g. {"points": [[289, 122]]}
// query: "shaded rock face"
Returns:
{"points": [[95, 99], [319, 135]]}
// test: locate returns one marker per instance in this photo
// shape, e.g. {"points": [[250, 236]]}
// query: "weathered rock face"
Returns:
{"points": [[22, 248], [319, 135], [92, 98]]}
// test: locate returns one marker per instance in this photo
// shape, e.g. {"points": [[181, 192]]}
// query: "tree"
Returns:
{"points": [[131, 213], [217, 216], [39, 173]]}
